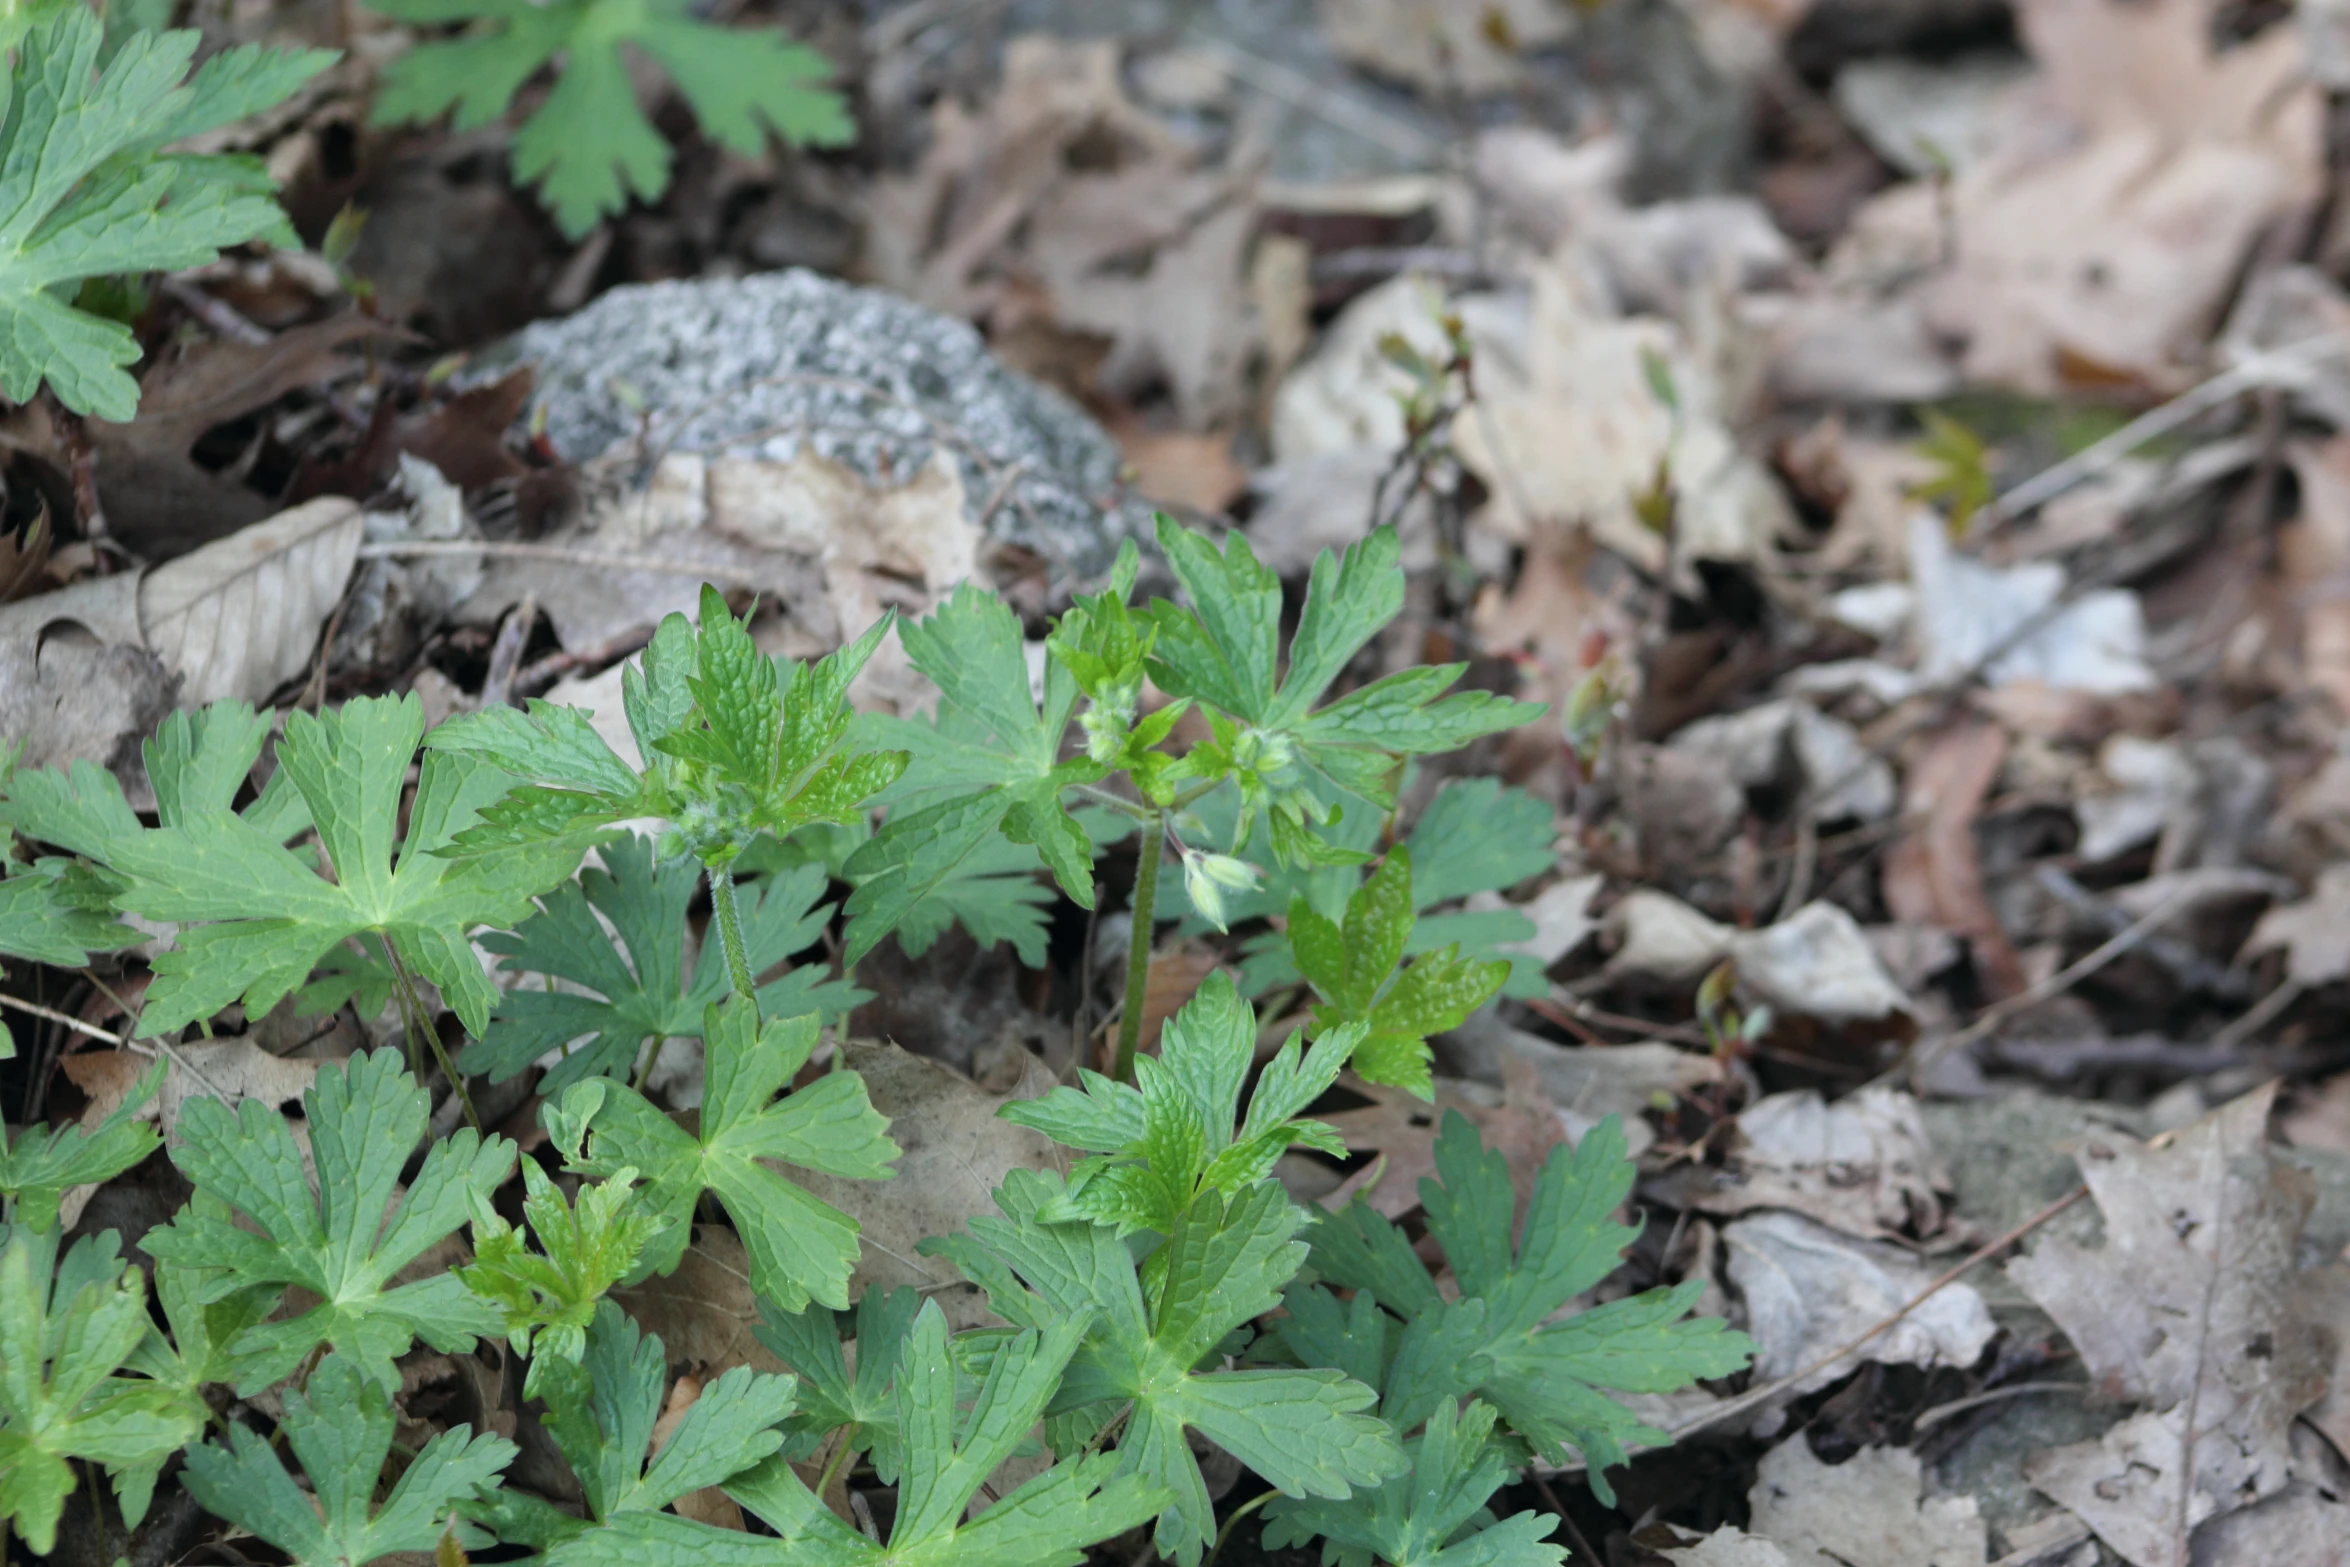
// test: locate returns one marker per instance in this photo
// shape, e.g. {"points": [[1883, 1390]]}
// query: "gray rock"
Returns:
{"points": [[754, 366]]}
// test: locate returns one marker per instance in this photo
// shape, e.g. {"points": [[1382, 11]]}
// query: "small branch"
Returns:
{"points": [[2263, 1012], [560, 554], [2054, 985], [1941, 1412], [506, 652], [2273, 368], [35, 1009], [1770, 1390]]}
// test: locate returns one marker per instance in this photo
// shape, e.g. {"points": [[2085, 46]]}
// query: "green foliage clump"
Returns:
{"points": [[89, 188], [589, 146], [1162, 1296]]}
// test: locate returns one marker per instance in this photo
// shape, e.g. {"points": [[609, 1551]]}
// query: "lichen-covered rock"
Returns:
{"points": [[759, 366]]}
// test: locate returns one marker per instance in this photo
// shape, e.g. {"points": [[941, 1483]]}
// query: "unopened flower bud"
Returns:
{"points": [[1207, 877]]}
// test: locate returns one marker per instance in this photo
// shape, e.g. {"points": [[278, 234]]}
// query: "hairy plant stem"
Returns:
{"points": [[730, 931], [1138, 950]]}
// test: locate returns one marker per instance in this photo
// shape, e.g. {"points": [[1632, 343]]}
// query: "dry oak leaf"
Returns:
{"points": [[1866, 1509], [1863, 1165], [2191, 1308], [2314, 933], [956, 1151], [2112, 221]]}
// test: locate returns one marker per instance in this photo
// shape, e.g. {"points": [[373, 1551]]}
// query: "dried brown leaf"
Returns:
{"points": [[956, 1152], [1863, 1165], [1932, 876], [1866, 1509], [2188, 1307], [158, 499]]}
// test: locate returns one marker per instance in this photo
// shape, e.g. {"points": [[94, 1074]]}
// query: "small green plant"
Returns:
{"points": [[1155, 1298], [991, 763], [90, 191], [589, 147], [340, 1430]]}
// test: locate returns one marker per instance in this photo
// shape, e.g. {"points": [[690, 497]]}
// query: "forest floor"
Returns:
{"points": [[1932, 416]]}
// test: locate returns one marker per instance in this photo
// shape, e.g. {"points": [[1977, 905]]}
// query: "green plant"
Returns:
{"points": [[641, 991], [602, 1406], [990, 764], [340, 1429], [67, 1328], [90, 192], [800, 1248], [339, 1244], [1499, 1341], [1475, 836], [736, 746], [589, 147], [1154, 1297]]}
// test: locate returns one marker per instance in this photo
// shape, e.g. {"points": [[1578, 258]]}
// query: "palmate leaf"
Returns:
{"points": [[736, 744], [340, 1430], [1433, 1516], [1048, 1522], [39, 1170], [87, 191], [800, 1248], [589, 146], [642, 990], [1174, 1133], [58, 910], [1268, 737], [1353, 969], [1305, 1431], [601, 1410], [49, 914], [255, 917], [366, 1117], [860, 1407], [1497, 1340], [66, 1329], [989, 764]]}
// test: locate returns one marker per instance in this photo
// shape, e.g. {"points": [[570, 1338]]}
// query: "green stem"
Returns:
{"points": [[1233, 1518], [730, 931], [413, 1022], [832, 1466], [644, 1071], [1138, 951]]}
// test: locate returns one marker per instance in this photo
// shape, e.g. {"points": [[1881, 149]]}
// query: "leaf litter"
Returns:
{"points": [[1892, 738]]}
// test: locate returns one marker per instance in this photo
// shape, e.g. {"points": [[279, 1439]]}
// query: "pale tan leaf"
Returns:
{"points": [[2188, 1306], [1866, 1509], [956, 1152], [241, 616]]}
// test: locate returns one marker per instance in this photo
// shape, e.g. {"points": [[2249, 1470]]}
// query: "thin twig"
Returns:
{"points": [[561, 554], [1332, 108], [2056, 984], [35, 1009], [497, 689], [2262, 1013], [2265, 369], [1957, 1406], [1770, 1390]]}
